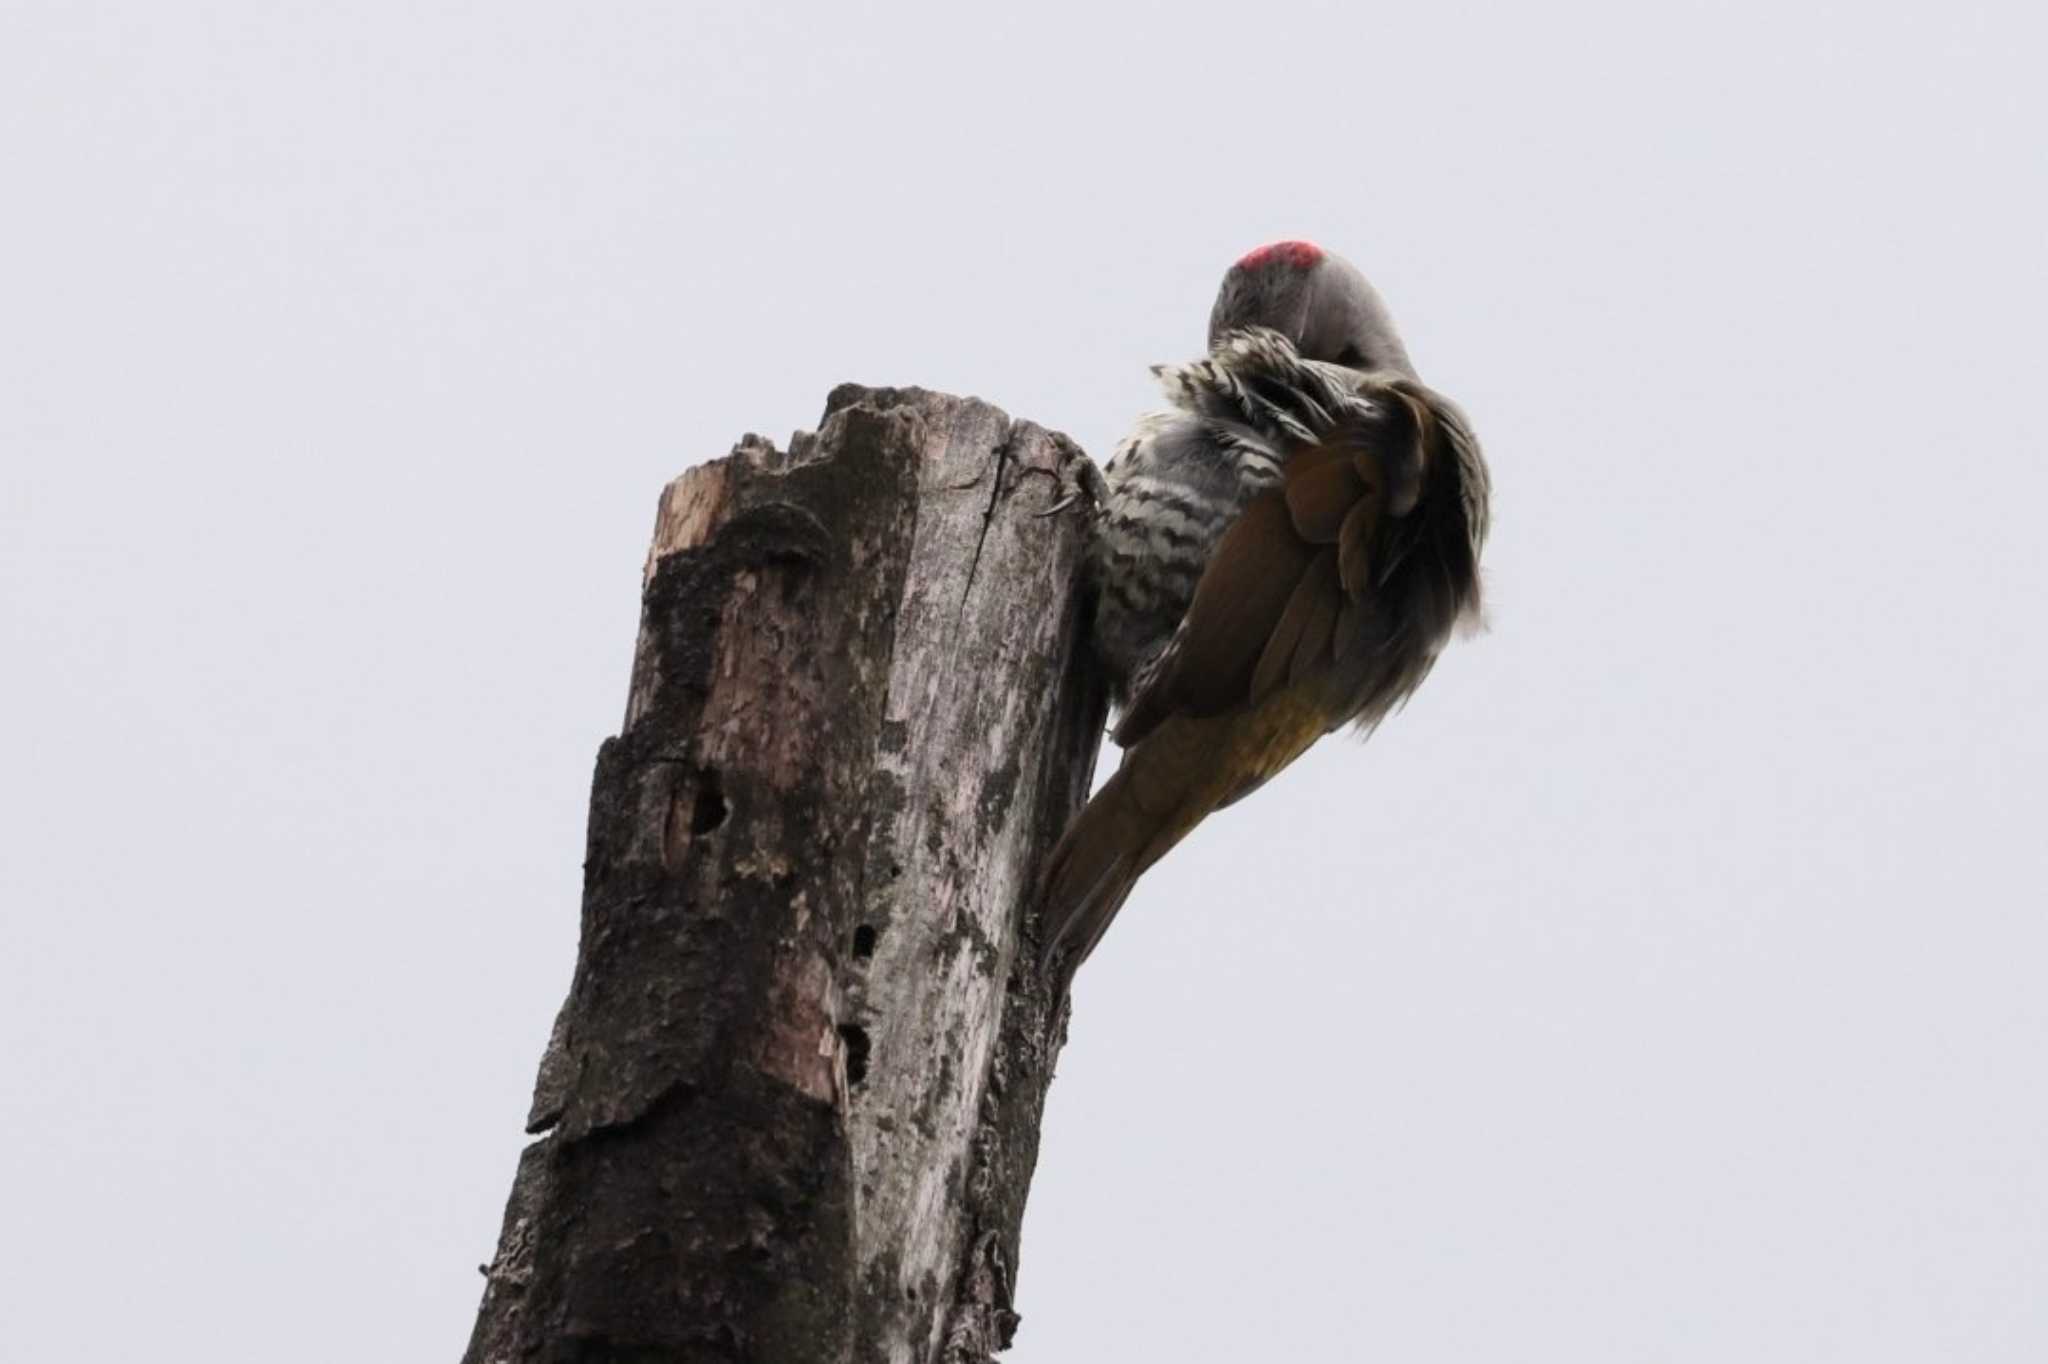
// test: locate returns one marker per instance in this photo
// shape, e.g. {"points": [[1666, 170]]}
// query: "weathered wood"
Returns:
{"points": [[791, 1103]]}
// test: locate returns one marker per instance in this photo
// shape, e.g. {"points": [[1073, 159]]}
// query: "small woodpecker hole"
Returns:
{"points": [[855, 1038], [710, 810], [864, 941]]}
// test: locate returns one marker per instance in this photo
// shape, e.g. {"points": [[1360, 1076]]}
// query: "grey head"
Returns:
{"points": [[1316, 299]]}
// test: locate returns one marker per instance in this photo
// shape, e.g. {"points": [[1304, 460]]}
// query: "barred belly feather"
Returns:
{"points": [[1183, 476]]}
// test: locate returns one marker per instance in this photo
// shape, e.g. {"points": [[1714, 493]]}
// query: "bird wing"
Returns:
{"points": [[1288, 587], [1299, 605]]}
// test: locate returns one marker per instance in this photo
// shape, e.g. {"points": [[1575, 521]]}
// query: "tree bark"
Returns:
{"points": [[791, 1103]]}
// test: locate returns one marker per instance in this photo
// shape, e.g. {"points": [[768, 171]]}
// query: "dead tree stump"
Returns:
{"points": [[791, 1104]]}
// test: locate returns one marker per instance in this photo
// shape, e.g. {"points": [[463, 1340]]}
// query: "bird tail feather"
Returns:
{"points": [[1107, 848]]}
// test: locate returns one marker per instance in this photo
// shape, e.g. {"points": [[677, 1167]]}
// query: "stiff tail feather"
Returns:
{"points": [[1111, 843], [1091, 872]]}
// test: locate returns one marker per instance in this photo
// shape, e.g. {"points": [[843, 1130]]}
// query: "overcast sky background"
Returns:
{"points": [[1668, 983]]}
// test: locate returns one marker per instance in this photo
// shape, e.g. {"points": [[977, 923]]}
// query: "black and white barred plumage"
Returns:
{"points": [[1182, 476]]}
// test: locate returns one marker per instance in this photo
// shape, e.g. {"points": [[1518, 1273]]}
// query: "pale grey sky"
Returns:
{"points": [[1665, 984]]}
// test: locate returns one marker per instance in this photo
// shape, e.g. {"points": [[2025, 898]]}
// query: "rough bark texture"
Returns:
{"points": [[791, 1103]]}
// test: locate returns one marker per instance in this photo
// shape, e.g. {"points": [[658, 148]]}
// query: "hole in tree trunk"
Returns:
{"points": [[864, 941], [710, 810], [856, 1039]]}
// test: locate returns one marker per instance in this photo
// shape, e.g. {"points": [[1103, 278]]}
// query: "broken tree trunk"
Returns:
{"points": [[791, 1104]]}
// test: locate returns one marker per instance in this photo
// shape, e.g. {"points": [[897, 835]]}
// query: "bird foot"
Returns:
{"points": [[1076, 478]]}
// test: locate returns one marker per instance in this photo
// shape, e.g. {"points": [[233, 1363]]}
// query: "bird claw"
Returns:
{"points": [[1076, 478]]}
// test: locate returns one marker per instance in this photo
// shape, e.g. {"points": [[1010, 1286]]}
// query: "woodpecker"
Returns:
{"points": [[1282, 552]]}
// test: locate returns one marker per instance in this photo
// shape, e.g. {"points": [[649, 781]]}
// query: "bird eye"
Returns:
{"points": [[1351, 356]]}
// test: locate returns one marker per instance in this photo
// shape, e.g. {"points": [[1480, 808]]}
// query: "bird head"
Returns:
{"points": [[1316, 299]]}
